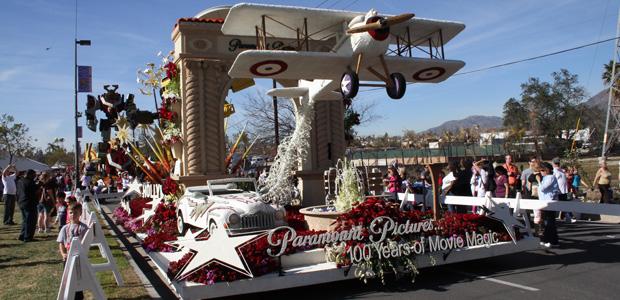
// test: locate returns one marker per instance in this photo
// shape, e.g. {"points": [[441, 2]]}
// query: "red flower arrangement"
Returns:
{"points": [[166, 114], [161, 228], [171, 70], [170, 186], [295, 219], [137, 206]]}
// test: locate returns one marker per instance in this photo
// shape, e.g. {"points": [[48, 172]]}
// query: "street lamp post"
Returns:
{"points": [[77, 115]]}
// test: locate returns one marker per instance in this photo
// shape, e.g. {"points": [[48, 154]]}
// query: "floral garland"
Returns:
{"points": [[451, 225], [166, 79], [122, 217], [161, 228]]}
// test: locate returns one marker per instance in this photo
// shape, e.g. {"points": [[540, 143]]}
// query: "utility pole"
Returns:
{"points": [[613, 110], [76, 158]]}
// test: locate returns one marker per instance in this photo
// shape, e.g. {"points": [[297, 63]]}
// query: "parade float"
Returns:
{"points": [[212, 236], [215, 237]]}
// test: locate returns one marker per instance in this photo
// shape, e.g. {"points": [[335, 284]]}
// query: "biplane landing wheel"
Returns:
{"points": [[398, 87], [349, 84]]}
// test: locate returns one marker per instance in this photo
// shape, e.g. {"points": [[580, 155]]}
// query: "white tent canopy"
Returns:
{"points": [[23, 164]]}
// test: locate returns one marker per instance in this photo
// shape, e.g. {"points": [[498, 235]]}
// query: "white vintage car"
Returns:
{"points": [[232, 204]]}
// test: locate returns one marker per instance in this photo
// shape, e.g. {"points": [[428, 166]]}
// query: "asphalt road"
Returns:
{"points": [[585, 266]]}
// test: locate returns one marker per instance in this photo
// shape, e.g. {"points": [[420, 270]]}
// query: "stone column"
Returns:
{"points": [[192, 117], [205, 85], [327, 145]]}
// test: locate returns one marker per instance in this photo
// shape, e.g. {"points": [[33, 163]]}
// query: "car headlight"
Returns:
{"points": [[279, 215], [234, 219]]}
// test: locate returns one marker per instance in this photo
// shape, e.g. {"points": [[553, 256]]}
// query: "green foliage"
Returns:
{"points": [[14, 138], [351, 119], [56, 152], [548, 109]]}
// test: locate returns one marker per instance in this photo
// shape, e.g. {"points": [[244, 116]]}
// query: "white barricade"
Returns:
{"points": [[78, 274], [101, 196], [95, 237], [534, 204]]}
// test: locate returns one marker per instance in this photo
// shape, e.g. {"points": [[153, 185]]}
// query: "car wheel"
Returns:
{"points": [[181, 227], [349, 85], [398, 87]]}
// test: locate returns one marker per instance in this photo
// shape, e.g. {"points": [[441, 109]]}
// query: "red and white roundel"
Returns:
{"points": [[429, 74], [268, 68]]}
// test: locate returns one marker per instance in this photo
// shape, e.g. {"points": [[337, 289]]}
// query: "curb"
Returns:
{"points": [[139, 260]]}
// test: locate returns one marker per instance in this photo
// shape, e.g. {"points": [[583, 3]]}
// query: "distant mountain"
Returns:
{"points": [[485, 122], [488, 122], [599, 100]]}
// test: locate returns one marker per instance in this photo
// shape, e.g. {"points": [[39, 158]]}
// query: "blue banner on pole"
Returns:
{"points": [[85, 79]]}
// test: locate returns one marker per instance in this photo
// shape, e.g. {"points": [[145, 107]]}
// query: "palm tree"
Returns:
{"points": [[607, 70]]}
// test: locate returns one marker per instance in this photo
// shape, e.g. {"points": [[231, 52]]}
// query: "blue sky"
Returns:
{"points": [[37, 84]]}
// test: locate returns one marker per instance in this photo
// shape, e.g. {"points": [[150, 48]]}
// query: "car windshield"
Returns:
{"points": [[232, 188]]}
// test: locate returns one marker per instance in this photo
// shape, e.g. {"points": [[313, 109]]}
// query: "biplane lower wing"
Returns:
{"points": [[417, 69], [278, 64], [288, 65]]}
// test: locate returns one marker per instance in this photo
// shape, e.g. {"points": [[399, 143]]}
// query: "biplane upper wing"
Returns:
{"points": [[279, 64], [419, 30], [282, 22]]}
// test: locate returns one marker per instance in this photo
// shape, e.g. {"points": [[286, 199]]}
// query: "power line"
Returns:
{"points": [[334, 4], [350, 4], [321, 3], [537, 57]]}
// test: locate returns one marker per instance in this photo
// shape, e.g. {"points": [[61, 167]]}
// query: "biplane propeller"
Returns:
{"points": [[369, 37]]}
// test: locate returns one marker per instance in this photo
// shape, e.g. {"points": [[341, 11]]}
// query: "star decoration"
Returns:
{"points": [[121, 121], [135, 187], [189, 235], [149, 213], [122, 134], [501, 212], [220, 248]]}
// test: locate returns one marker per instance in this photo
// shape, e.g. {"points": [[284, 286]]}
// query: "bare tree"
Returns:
{"points": [[259, 113]]}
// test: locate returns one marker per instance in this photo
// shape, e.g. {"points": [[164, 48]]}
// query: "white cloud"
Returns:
{"points": [[133, 37], [6, 75]]}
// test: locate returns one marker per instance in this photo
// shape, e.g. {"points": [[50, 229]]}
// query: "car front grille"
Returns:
{"points": [[258, 221]]}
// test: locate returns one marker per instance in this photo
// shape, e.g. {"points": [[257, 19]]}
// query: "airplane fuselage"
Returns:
{"points": [[368, 45]]}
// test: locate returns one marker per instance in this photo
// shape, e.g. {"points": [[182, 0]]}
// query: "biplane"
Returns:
{"points": [[367, 48]]}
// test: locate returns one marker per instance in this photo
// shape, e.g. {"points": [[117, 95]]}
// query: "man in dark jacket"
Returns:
{"points": [[27, 200]]}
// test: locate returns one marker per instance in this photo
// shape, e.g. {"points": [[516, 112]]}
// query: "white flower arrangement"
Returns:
{"points": [[348, 185]]}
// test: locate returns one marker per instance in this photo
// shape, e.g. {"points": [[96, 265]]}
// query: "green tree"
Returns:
{"points": [[548, 109], [56, 152], [606, 76], [14, 138]]}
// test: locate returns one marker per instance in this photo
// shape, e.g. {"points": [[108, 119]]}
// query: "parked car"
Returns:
{"points": [[232, 204]]}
